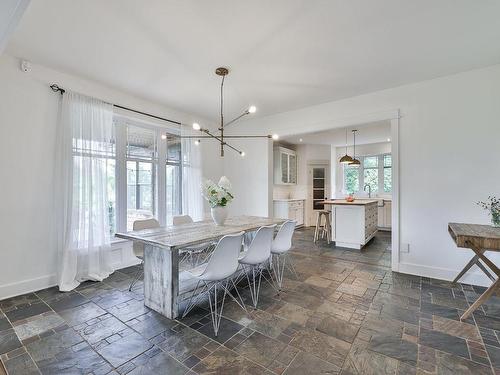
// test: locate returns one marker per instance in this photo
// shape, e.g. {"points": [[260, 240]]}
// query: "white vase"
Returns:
{"points": [[219, 214]]}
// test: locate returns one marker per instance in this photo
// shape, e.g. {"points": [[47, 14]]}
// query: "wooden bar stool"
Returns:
{"points": [[322, 229]]}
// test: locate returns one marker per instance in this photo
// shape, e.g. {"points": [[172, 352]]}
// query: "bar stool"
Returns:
{"points": [[321, 229]]}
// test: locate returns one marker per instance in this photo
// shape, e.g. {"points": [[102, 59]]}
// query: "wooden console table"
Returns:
{"points": [[478, 238]]}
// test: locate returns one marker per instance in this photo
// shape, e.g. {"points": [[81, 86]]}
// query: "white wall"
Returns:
{"points": [[11, 12], [361, 150], [449, 141], [28, 112]]}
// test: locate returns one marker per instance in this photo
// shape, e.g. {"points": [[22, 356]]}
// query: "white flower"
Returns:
{"points": [[225, 183]]}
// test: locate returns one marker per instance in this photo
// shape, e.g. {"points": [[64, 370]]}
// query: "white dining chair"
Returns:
{"points": [[217, 275], [192, 254], [280, 247], [138, 247], [254, 259]]}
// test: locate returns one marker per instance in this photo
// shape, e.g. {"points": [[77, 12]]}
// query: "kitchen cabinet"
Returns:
{"points": [[285, 166], [354, 223], [384, 215], [291, 209]]}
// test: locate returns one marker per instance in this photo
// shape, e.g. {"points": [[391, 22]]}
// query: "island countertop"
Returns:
{"points": [[356, 202]]}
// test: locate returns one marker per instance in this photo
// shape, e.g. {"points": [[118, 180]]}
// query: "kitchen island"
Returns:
{"points": [[353, 223]]}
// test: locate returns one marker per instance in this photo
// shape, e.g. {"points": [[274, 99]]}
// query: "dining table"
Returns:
{"points": [[480, 239], [162, 282]]}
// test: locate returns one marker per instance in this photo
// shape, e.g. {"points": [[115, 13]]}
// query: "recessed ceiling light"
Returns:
{"points": [[300, 139]]}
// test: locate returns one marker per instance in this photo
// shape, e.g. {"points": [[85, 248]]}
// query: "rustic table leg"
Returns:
{"points": [[473, 261], [161, 280], [493, 287]]}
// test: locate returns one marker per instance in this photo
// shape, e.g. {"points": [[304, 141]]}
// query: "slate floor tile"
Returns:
{"points": [[104, 327], [305, 363], [161, 363], [107, 300], [182, 342], [22, 300], [129, 310], [227, 329], [38, 325], [124, 349], [49, 347], [81, 359], [260, 349], [4, 324], [452, 365], [323, 346], [393, 347], [65, 301], [8, 341], [338, 328], [27, 311], [152, 324], [225, 361], [81, 314], [444, 342], [22, 364]]}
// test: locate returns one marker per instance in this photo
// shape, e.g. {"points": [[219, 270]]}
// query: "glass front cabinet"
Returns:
{"points": [[285, 166]]}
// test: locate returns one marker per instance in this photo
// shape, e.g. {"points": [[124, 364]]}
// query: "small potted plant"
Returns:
{"points": [[218, 196], [492, 204]]}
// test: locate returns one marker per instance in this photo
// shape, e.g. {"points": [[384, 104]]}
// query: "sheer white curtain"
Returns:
{"points": [[192, 201], [84, 144]]}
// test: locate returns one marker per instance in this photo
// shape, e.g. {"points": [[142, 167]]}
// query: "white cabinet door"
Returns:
{"points": [[381, 217], [388, 214]]}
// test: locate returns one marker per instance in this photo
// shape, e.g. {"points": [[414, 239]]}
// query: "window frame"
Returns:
{"points": [[159, 164], [361, 174]]}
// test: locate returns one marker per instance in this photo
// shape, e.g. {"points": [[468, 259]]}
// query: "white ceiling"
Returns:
{"points": [[375, 132], [283, 54]]}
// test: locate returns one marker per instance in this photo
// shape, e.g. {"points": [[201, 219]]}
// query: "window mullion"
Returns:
{"points": [[161, 179], [121, 178]]}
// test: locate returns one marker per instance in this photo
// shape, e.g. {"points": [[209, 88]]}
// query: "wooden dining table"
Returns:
{"points": [[161, 254], [478, 238]]}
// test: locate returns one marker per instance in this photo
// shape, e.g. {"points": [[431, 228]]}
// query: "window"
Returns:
{"points": [[351, 179], [90, 154], [173, 179], [374, 171], [387, 173], [370, 173], [141, 156]]}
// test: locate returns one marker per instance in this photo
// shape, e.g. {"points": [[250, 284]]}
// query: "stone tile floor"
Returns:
{"points": [[346, 314]]}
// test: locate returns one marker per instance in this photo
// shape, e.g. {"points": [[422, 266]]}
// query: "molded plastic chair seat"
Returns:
{"points": [[216, 274], [280, 248]]}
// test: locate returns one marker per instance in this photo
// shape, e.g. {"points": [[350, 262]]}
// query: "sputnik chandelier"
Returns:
{"points": [[221, 137]]}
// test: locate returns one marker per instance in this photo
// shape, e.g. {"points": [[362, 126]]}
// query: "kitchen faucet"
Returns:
{"points": [[369, 190]]}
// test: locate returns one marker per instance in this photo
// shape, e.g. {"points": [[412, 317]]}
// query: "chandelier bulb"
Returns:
{"points": [[163, 136], [252, 109], [197, 142], [242, 153], [275, 137], [196, 126]]}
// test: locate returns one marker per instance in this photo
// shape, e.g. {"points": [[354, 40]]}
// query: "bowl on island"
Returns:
{"points": [[349, 198]]}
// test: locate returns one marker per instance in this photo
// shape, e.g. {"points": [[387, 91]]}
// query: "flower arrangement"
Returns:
{"points": [[492, 205], [217, 194]]}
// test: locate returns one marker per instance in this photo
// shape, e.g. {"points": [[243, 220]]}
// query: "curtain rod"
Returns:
{"points": [[57, 88]]}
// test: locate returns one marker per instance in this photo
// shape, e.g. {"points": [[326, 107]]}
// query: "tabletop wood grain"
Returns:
{"points": [[197, 232], [481, 236]]}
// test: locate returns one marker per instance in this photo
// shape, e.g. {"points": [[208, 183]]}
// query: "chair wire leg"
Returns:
{"points": [[291, 267], [137, 276], [192, 303], [242, 305]]}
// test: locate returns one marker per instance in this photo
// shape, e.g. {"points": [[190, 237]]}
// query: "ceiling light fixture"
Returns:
{"points": [[355, 162], [221, 138], [346, 159], [300, 139]]}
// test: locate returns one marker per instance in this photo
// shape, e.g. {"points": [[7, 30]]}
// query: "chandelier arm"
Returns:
{"points": [[226, 136], [236, 119]]}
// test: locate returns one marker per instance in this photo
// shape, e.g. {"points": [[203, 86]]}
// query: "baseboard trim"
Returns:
{"points": [[43, 282], [473, 277], [27, 286]]}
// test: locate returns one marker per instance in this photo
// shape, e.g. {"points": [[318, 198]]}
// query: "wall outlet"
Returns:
{"points": [[405, 248]]}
